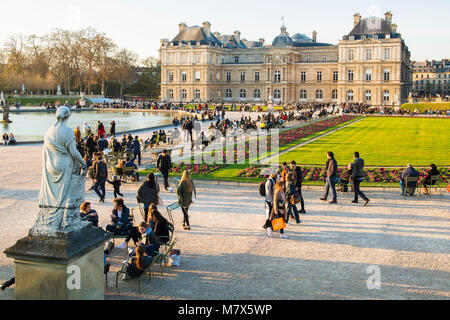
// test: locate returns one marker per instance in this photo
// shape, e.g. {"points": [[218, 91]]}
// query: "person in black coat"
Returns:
{"points": [[345, 177], [164, 164], [427, 180], [116, 183], [90, 145], [298, 179], [148, 193], [120, 218]]}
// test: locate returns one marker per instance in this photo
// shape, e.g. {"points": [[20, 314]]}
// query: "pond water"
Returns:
{"points": [[31, 126]]}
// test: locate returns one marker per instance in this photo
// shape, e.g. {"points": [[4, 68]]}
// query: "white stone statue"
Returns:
{"points": [[63, 183]]}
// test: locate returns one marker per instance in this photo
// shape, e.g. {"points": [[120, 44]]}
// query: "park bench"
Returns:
{"points": [[157, 259]]}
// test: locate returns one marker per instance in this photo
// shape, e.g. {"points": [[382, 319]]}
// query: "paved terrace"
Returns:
{"points": [[227, 255]]}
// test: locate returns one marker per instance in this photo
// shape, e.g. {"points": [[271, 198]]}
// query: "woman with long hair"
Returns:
{"points": [[159, 224], [427, 180], [184, 192], [279, 206], [148, 193], [139, 262]]}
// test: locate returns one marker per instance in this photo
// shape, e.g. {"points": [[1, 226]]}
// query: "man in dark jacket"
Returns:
{"points": [[357, 177], [90, 145], [408, 172], [100, 176], [331, 168], [298, 179], [120, 218], [102, 143], [164, 164], [136, 149]]}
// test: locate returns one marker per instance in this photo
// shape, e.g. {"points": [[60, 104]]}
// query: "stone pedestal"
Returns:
{"points": [[67, 267]]}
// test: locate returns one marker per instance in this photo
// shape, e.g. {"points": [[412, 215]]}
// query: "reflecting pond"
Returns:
{"points": [[31, 126]]}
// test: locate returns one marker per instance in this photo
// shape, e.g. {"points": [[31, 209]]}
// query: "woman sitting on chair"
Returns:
{"points": [[427, 180], [159, 224], [136, 265]]}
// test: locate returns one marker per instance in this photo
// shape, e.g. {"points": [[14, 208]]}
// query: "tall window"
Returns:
{"points": [[256, 76], [335, 76], [387, 75], [350, 95], [387, 54], [368, 75], [183, 77], [242, 94], [228, 93], [277, 76], [334, 94], [236, 59], [170, 76], [170, 93], [303, 77], [386, 95], [197, 94], [368, 95], [197, 76], [351, 54], [303, 94], [350, 75], [277, 94], [319, 94], [319, 76], [183, 94], [242, 77], [228, 77], [257, 94], [368, 54], [210, 76], [308, 57]]}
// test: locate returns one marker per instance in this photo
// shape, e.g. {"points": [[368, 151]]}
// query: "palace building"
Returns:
{"points": [[370, 65]]}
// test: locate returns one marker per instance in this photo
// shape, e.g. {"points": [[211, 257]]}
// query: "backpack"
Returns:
{"points": [[262, 188]]}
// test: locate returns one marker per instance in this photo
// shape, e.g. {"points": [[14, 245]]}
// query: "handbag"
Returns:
{"points": [[296, 198], [278, 224]]}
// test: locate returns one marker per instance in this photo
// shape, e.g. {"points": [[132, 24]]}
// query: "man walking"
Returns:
{"points": [[298, 179], [357, 177], [100, 176], [164, 164], [331, 168], [136, 149]]}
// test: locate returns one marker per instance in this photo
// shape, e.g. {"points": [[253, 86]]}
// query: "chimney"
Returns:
{"points": [[207, 28], [261, 40], [237, 35], [356, 19], [394, 28], [314, 34], [182, 26], [388, 17]]}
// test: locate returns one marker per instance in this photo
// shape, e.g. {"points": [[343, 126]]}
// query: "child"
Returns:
{"points": [[116, 185]]}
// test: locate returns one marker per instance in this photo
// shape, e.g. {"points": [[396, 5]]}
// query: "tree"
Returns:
{"points": [[124, 62], [104, 49]]}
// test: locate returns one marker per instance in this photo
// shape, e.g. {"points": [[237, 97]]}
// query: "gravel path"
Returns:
{"points": [[227, 255]]}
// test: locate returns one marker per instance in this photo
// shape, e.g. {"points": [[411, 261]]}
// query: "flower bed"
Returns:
{"points": [[374, 175], [195, 169]]}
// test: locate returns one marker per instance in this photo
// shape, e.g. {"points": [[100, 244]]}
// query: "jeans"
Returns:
{"points": [[292, 207], [165, 174], [100, 184], [185, 216], [137, 155], [356, 182], [118, 231], [331, 182]]}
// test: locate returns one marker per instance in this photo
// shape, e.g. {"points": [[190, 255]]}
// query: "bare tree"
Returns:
{"points": [[125, 62]]}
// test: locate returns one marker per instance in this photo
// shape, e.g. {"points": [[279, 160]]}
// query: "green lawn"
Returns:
{"points": [[382, 142]]}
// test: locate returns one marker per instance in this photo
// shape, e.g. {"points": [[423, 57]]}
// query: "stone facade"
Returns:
{"points": [[431, 77], [369, 65]]}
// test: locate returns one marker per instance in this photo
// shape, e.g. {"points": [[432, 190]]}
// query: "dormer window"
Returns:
{"points": [[236, 59]]}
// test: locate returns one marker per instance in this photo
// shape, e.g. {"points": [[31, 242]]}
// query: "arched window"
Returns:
{"points": [[303, 94], [228, 93], [368, 95], [257, 94], [319, 94], [350, 95], [197, 94], [277, 94], [334, 94], [386, 95], [277, 76], [242, 94], [183, 94]]}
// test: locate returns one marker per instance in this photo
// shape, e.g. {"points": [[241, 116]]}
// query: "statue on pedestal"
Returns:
{"points": [[62, 186]]}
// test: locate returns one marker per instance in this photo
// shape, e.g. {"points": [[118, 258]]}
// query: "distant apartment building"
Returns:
{"points": [[431, 77]]}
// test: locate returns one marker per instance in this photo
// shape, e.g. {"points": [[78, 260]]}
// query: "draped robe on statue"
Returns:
{"points": [[62, 186]]}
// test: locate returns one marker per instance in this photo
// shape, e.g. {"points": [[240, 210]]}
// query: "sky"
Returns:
{"points": [[138, 25]]}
